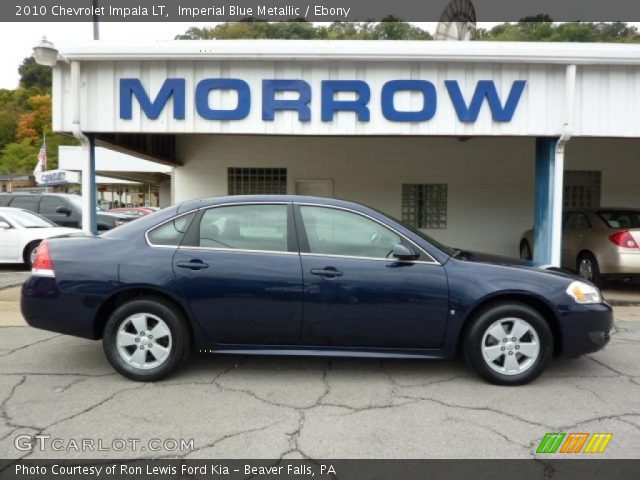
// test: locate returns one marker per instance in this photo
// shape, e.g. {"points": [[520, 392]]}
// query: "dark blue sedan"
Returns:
{"points": [[268, 275]]}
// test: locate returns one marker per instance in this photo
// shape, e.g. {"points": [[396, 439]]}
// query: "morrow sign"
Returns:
{"points": [[467, 109]]}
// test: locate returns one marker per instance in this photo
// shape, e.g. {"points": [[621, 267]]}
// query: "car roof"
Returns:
{"points": [[204, 202], [13, 209]]}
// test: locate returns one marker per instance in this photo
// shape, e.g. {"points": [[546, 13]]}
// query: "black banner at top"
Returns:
{"points": [[316, 10]]}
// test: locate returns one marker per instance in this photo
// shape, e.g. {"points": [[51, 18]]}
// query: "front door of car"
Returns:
{"points": [[238, 268], [60, 211], [357, 294], [9, 240], [575, 229]]}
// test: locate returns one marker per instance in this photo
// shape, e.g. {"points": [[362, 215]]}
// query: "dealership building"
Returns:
{"points": [[473, 142]]}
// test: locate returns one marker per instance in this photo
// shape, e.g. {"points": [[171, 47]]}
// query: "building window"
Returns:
{"points": [[257, 181], [425, 206], [582, 188]]}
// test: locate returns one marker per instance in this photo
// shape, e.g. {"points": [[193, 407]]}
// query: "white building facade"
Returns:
{"points": [[473, 142]]}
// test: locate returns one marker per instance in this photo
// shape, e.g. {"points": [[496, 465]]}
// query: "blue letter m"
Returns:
{"points": [[485, 88], [130, 87]]}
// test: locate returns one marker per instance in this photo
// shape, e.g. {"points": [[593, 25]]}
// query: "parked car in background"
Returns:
{"points": [[598, 244], [21, 232], [133, 211], [61, 208], [235, 274]]}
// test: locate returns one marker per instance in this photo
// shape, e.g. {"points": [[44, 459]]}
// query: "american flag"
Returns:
{"points": [[42, 158]]}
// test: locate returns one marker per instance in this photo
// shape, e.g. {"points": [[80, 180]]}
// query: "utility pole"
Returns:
{"points": [[96, 20]]}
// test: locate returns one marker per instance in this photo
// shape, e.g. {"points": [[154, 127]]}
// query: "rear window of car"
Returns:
{"points": [[172, 232], [620, 218]]}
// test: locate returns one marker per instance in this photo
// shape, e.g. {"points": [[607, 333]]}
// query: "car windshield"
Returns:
{"points": [[620, 218], [30, 220]]}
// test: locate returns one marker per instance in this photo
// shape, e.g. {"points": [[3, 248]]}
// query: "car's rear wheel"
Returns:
{"points": [[508, 344], [525, 251], [29, 254], [146, 339], [589, 269]]}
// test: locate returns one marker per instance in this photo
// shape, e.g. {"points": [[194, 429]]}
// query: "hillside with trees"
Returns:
{"points": [[25, 113]]}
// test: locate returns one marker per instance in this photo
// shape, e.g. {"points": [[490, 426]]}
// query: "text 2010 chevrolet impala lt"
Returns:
{"points": [[304, 276]]}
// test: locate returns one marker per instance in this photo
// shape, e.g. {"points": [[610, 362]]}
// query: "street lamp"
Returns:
{"points": [[46, 54]]}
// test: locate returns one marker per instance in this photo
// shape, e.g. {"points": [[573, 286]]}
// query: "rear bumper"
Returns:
{"points": [[44, 306], [621, 263], [586, 329]]}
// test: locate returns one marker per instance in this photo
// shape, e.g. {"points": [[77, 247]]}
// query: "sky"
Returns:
{"points": [[18, 39]]}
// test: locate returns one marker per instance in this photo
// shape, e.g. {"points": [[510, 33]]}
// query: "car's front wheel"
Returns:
{"points": [[508, 344], [146, 339]]}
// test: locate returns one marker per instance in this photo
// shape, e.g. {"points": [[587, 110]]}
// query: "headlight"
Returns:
{"points": [[584, 293], [120, 222]]}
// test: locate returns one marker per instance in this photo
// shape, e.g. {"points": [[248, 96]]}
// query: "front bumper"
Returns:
{"points": [[585, 329]]}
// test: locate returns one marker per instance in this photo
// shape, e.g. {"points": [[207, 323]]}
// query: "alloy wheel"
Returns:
{"points": [[144, 341], [510, 346], [585, 269]]}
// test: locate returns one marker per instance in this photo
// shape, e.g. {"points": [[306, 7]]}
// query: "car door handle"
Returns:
{"points": [[193, 265], [326, 272]]}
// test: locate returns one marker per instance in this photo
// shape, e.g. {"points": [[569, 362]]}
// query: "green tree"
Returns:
{"points": [[34, 75], [299, 29], [19, 157]]}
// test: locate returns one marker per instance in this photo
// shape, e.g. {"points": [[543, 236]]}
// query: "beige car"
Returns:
{"points": [[597, 243]]}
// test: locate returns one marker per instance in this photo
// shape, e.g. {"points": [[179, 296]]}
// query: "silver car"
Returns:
{"points": [[599, 243]]}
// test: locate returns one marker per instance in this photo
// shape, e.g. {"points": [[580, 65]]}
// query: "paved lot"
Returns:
{"points": [[273, 407]]}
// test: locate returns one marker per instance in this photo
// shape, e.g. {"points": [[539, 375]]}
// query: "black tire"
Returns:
{"points": [[591, 264], [525, 251], [28, 251], [475, 335], [180, 338]]}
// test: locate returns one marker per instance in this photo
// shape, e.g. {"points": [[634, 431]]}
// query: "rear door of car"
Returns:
{"points": [[238, 268]]}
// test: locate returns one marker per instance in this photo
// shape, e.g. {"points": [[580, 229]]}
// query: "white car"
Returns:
{"points": [[22, 231]]}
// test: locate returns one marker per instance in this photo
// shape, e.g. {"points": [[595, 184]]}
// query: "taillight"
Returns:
{"points": [[623, 239], [42, 264]]}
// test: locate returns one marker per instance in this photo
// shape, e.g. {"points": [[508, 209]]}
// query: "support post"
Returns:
{"points": [[89, 223], [548, 202]]}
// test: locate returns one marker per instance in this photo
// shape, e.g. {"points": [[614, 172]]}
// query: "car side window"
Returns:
{"points": [[578, 220], [49, 205], [245, 227], [172, 232], [332, 231], [27, 202]]}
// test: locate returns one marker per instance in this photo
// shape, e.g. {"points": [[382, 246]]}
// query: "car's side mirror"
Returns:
{"points": [[403, 252], [4, 226], [63, 210]]}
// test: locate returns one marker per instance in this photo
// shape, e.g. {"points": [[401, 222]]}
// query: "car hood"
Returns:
{"points": [[488, 258]]}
